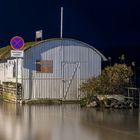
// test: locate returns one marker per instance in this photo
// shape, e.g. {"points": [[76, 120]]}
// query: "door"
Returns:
{"points": [[71, 80]]}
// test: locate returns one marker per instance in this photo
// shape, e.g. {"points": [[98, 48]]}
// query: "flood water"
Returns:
{"points": [[67, 122]]}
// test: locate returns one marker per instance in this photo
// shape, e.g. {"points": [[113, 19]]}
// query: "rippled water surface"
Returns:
{"points": [[67, 122]]}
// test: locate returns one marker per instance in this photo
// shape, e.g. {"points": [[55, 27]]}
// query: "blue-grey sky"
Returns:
{"points": [[112, 26]]}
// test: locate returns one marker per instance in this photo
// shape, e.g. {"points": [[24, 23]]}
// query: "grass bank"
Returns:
{"points": [[50, 101], [9, 97], [42, 101]]}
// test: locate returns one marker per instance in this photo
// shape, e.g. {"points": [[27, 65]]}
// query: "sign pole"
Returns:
{"points": [[16, 77], [17, 43]]}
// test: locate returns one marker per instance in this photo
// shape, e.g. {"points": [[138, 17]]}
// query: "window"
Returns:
{"points": [[44, 66]]}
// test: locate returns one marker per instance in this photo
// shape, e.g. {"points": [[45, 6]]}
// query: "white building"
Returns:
{"points": [[54, 68]]}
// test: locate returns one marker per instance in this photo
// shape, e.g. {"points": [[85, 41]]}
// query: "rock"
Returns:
{"points": [[92, 104]]}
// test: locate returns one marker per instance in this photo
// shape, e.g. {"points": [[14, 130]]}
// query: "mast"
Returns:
{"points": [[61, 28]]}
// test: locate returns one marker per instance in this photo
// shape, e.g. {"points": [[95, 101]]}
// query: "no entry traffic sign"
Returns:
{"points": [[17, 43]]}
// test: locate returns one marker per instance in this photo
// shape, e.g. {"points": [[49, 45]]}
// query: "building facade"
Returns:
{"points": [[55, 69]]}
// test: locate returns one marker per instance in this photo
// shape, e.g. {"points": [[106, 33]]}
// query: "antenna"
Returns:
{"points": [[61, 28]]}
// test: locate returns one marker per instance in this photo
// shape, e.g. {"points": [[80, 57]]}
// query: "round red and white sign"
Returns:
{"points": [[17, 43]]}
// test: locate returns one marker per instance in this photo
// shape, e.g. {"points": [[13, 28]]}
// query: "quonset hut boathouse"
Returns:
{"points": [[52, 68]]}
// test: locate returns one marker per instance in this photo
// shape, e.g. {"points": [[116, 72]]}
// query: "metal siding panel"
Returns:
{"points": [[46, 85], [94, 63]]}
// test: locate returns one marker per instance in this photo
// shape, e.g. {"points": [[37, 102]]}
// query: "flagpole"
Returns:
{"points": [[61, 30]]}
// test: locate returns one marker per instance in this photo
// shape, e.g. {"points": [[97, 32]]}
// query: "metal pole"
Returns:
{"points": [[22, 64], [139, 100], [134, 70], [63, 80], [135, 76], [16, 77], [61, 30]]}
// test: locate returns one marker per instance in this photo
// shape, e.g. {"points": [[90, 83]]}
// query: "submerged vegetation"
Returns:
{"points": [[112, 81]]}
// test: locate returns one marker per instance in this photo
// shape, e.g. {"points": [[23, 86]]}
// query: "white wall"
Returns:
{"points": [[6, 70]]}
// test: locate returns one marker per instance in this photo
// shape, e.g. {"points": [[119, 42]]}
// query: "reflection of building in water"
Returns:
{"points": [[66, 122], [33, 125], [56, 126], [113, 124], [10, 122]]}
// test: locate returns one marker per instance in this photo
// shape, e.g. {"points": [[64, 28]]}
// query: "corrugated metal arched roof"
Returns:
{"points": [[5, 51], [74, 40]]}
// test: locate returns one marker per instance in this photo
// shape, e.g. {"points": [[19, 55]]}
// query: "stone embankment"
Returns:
{"points": [[109, 101]]}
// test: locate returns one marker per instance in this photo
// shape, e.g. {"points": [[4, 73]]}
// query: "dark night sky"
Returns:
{"points": [[112, 26]]}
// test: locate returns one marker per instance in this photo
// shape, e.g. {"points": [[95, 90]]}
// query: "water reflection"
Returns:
{"points": [[66, 122], [113, 124]]}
